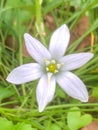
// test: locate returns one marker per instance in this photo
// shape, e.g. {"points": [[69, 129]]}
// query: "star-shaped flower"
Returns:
{"points": [[52, 67]]}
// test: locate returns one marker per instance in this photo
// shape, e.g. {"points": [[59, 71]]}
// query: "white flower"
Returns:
{"points": [[51, 67]]}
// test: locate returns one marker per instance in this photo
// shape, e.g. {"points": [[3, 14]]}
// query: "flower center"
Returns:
{"points": [[52, 67]]}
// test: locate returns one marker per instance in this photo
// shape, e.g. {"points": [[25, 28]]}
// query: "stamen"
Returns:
{"points": [[47, 62], [49, 76], [47, 69], [59, 65], [53, 61], [56, 71]]}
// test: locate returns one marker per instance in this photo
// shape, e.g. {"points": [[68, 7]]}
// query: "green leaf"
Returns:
{"points": [[52, 5], [75, 120], [6, 92], [95, 92], [85, 120], [24, 5], [55, 127], [5, 124], [23, 126], [18, 3]]}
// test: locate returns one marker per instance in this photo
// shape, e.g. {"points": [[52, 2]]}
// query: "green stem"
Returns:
{"points": [[39, 21], [20, 50], [72, 105], [23, 89]]}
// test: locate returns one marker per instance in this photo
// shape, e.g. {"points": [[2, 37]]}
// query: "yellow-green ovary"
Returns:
{"points": [[52, 67]]}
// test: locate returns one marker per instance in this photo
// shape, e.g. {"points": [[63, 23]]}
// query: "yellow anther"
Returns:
{"points": [[53, 61]]}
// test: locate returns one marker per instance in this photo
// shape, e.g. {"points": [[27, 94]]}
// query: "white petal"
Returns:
{"points": [[25, 73], [36, 49], [73, 86], [45, 91], [59, 42], [74, 61]]}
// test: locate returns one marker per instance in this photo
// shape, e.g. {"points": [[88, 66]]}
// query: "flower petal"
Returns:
{"points": [[25, 73], [75, 61], [59, 42], [36, 49], [73, 86], [45, 91]]}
